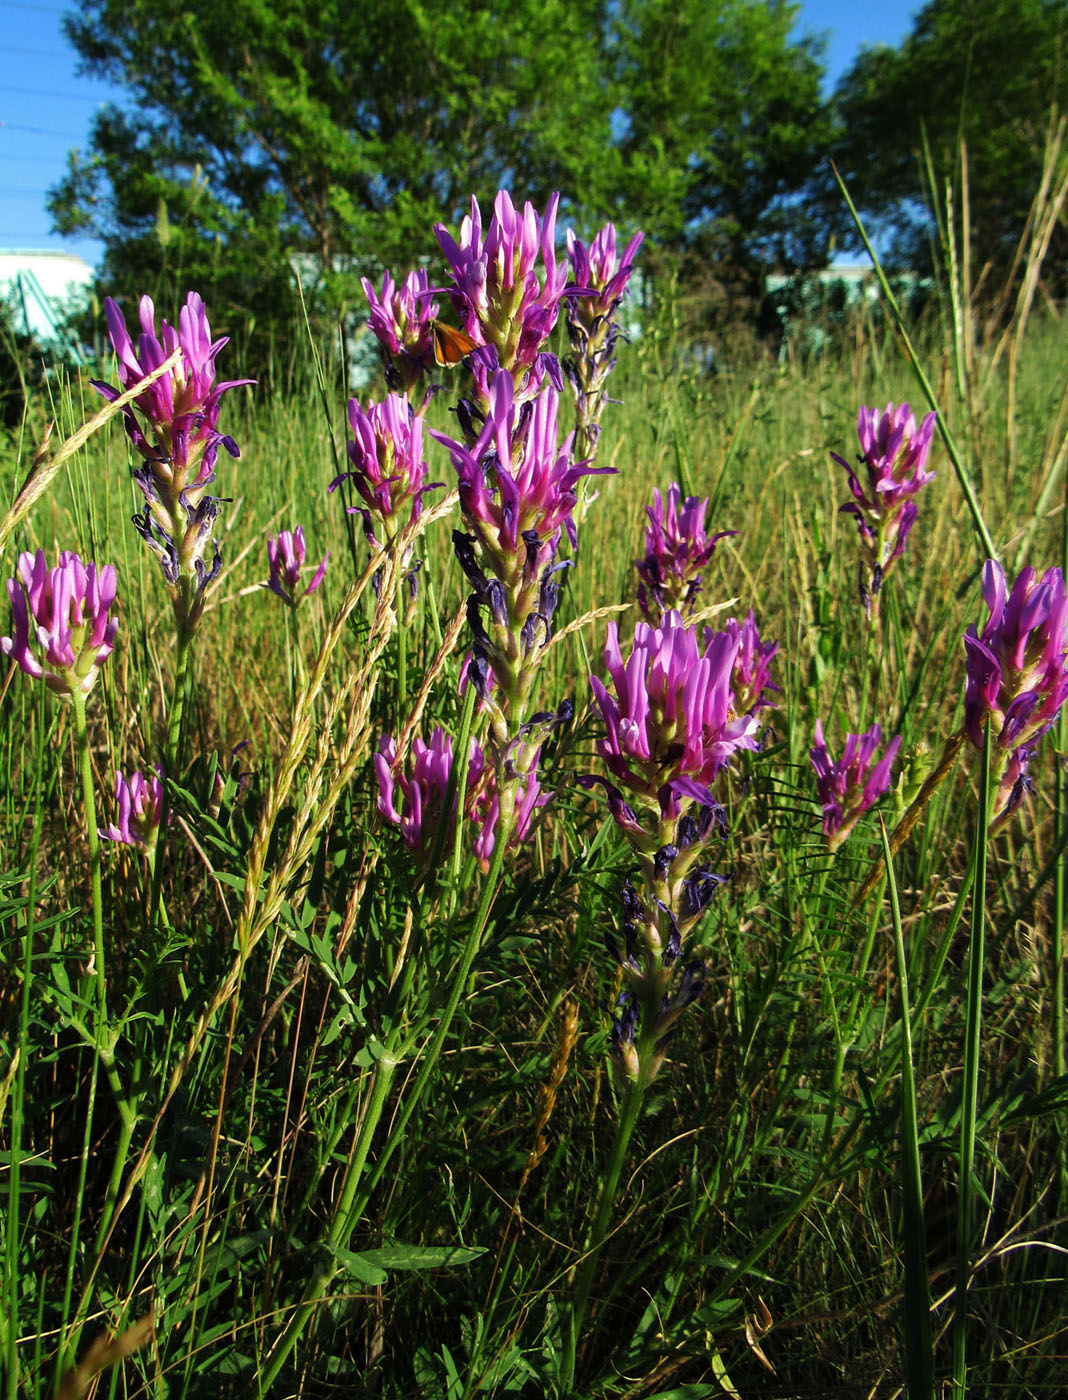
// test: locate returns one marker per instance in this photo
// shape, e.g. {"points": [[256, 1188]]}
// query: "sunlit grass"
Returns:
{"points": [[759, 1222]]}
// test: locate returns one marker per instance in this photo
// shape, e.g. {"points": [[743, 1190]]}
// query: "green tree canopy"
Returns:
{"points": [[988, 72], [262, 129]]}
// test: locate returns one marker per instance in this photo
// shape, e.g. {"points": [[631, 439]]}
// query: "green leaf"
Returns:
{"points": [[359, 1267], [422, 1256]]}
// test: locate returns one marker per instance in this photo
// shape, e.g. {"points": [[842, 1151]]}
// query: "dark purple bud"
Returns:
{"points": [[464, 546], [692, 984], [632, 905], [673, 946], [549, 592], [479, 673], [204, 574], [619, 808], [624, 1022], [159, 542], [412, 579], [474, 621], [533, 547], [144, 478], [697, 892], [662, 861], [551, 365], [469, 419], [497, 601], [529, 633], [695, 826]]}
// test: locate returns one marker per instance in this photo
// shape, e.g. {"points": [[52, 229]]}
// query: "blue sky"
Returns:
{"points": [[45, 110]]}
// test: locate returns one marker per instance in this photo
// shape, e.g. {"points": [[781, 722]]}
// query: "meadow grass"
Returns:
{"points": [[345, 1123]]}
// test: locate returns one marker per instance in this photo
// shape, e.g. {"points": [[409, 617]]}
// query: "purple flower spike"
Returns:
{"points": [[1017, 670], [497, 292], [182, 408], [402, 320], [596, 269], [65, 612], [676, 550], [849, 788], [671, 723], [422, 795], [285, 557], [517, 478], [140, 801], [591, 302], [179, 441], [894, 456], [389, 472], [752, 666]]}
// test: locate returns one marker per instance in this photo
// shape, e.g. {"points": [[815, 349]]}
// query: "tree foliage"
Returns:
{"points": [[264, 129], [987, 73]]}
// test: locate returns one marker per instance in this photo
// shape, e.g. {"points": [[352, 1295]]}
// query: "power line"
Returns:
{"points": [[46, 92], [41, 131], [39, 53]]}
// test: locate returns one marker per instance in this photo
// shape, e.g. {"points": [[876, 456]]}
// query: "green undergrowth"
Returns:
{"points": [[759, 1237]]}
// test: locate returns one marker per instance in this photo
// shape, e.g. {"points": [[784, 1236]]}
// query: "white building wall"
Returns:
{"points": [[61, 277]]}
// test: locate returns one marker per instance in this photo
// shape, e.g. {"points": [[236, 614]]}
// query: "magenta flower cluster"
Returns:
{"points": [[179, 441], [506, 283], [894, 458], [63, 632], [389, 470], [671, 724], [140, 810], [599, 276], [517, 493], [402, 320], [285, 559], [599, 279], [751, 678], [851, 786], [422, 794], [1017, 672], [677, 550]]}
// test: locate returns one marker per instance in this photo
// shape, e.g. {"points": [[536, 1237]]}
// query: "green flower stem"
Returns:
{"points": [[337, 1234], [353, 1201], [21, 1055], [104, 1038], [970, 1098], [68, 1338], [628, 1120], [176, 717], [430, 1059], [919, 1357], [85, 766]]}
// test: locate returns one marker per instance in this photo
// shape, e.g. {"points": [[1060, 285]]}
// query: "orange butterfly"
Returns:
{"points": [[450, 345]]}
